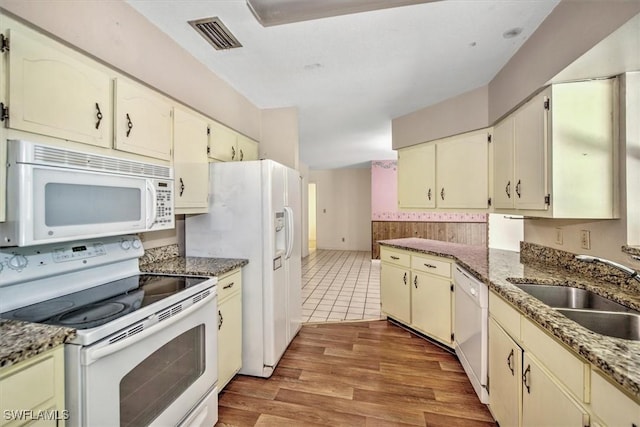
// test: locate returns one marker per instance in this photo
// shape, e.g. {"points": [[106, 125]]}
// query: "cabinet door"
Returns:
{"points": [[503, 185], [143, 121], [229, 339], [463, 172], [531, 154], [53, 92], [543, 402], [247, 149], [417, 177], [505, 372], [191, 164], [222, 143], [431, 306], [395, 292]]}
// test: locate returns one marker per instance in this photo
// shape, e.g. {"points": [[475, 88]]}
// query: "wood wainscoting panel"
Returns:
{"points": [[469, 233]]}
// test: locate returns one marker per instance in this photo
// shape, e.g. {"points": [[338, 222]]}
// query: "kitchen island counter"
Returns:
{"points": [[617, 358], [21, 340]]}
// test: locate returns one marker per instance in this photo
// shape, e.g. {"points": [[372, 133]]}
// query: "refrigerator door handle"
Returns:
{"points": [[288, 232]]}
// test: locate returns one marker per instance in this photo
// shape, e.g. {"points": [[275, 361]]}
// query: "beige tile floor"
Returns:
{"points": [[340, 285]]}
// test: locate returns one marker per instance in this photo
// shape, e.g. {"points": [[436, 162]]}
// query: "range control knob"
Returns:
{"points": [[136, 244], [125, 244], [17, 262]]}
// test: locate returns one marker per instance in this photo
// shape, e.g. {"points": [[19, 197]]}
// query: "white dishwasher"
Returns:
{"points": [[470, 329]]}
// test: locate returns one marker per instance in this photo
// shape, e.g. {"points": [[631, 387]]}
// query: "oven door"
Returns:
{"points": [[154, 377], [58, 204]]}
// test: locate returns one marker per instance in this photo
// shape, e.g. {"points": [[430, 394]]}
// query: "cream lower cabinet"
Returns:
{"points": [[32, 391], [417, 291], [229, 326], [610, 406], [190, 161], [505, 368]]}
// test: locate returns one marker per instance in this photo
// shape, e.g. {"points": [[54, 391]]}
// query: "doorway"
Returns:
{"points": [[312, 216]]}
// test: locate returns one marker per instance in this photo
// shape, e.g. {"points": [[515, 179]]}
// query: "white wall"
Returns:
{"points": [[279, 136], [505, 232], [343, 208], [304, 194]]}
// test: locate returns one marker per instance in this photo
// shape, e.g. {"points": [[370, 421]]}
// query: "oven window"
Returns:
{"points": [[77, 204], [151, 387]]}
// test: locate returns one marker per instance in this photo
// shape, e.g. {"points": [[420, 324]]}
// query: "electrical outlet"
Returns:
{"points": [[558, 236], [585, 239]]}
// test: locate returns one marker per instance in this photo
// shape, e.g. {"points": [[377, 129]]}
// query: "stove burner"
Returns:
{"points": [[43, 310], [91, 313]]}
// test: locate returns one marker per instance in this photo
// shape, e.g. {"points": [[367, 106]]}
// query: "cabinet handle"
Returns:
{"points": [[507, 189], [525, 378], [429, 194], [233, 153], [241, 155], [230, 285], [430, 266], [415, 281], [405, 278], [220, 319], [510, 363], [394, 257], [129, 125], [518, 189], [442, 193], [98, 115], [181, 187]]}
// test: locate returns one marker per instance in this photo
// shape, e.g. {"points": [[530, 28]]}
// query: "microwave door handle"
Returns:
{"points": [[152, 213], [92, 356]]}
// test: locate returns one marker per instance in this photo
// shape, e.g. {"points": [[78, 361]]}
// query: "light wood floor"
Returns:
{"points": [[356, 374]]}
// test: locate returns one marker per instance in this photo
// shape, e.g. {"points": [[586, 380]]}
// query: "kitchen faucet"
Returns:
{"points": [[630, 271]]}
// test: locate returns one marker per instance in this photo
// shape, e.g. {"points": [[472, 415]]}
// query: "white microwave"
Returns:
{"points": [[56, 194]]}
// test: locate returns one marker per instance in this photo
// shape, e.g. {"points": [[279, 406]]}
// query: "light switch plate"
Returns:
{"points": [[585, 239], [558, 236]]}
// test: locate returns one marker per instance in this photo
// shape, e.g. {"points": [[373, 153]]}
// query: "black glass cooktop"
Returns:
{"points": [[96, 306]]}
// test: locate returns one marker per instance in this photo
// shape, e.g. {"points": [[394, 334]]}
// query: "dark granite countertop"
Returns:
{"points": [[21, 340], [617, 358], [195, 266]]}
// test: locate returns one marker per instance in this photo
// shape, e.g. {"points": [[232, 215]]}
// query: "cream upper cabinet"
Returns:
{"points": [[55, 91], [544, 403], [142, 120], [35, 384], [505, 371], [229, 326], [462, 171], [451, 173], [247, 149], [222, 142], [190, 161], [555, 156], [417, 177]]}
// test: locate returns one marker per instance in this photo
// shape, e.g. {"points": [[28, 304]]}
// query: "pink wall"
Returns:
{"points": [[384, 199]]}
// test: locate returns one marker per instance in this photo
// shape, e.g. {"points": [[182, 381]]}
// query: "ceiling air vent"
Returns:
{"points": [[214, 31]]}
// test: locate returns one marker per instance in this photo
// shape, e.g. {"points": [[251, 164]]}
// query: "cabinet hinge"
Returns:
{"points": [[489, 201], [546, 104], [4, 43], [488, 384], [489, 138], [4, 112], [547, 199], [208, 150], [208, 130], [452, 336], [451, 287]]}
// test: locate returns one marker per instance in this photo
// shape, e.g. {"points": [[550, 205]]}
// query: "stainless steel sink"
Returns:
{"points": [[594, 312], [619, 325], [568, 297]]}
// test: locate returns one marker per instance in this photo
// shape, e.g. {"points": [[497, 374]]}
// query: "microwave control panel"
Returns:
{"points": [[164, 205]]}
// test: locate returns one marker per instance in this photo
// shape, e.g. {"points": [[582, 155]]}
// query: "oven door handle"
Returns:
{"points": [[94, 354]]}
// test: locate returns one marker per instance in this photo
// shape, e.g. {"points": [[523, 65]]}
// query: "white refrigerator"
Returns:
{"points": [[254, 213]]}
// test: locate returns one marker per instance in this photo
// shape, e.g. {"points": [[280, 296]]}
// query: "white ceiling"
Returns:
{"points": [[350, 75]]}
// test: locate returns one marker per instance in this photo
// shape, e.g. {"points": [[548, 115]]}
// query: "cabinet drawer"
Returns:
{"points": [[229, 284], [571, 371], [395, 257], [612, 406], [507, 316], [431, 265]]}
